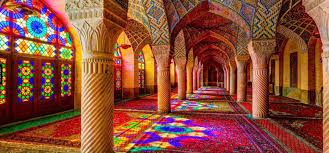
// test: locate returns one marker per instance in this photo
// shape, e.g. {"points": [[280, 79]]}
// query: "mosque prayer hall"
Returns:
{"points": [[165, 76]]}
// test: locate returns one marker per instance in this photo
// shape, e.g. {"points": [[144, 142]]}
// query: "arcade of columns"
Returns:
{"points": [[98, 32]]}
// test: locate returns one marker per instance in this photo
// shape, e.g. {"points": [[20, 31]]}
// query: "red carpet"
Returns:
{"points": [[290, 141]]}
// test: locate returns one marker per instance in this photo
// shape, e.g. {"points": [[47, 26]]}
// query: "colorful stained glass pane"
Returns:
{"points": [[118, 80], [65, 38], [66, 80], [34, 48], [25, 81], [36, 26], [3, 90], [66, 53], [117, 67], [4, 43], [4, 20], [47, 80], [141, 70]]}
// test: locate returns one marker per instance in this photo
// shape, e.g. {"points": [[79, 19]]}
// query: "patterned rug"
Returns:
{"points": [[248, 98], [222, 133], [66, 132], [208, 97], [211, 92], [287, 139], [212, 88], [290, 110], [206, 106], [308, 129], [139, 104]]}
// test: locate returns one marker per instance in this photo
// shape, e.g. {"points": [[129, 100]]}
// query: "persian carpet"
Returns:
{"points": [[211, 92], [66, 132], [139, 104], [286, 138], [208, 97], [206, 106], [309, 129], [295, 110], [204, 133]]}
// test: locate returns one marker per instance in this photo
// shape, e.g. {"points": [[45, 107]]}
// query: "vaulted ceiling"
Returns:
{"points": [[219, 30]]}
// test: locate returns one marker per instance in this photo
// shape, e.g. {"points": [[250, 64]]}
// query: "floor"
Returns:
{"points": [[210, 120]]}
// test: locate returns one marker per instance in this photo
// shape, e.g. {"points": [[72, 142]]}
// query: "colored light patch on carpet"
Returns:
{"points": [[178, 133], [210, 92], [127, 125], [207, 97], [309, 129], [180, 105], [212, 88]]}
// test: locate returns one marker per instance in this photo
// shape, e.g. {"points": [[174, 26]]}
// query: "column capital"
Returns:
{"points": [[90, 9], [242, 58], [161, 54], [232, 64], [96, 37], [260, 51], [180, 61]]}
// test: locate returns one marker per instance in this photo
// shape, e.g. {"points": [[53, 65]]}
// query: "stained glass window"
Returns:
{"points": [[34, 48], [66, 80], [25, 81], [66, 53], [118, 67], [4, 43], [3, 90], [141, 70], [47, 80]]}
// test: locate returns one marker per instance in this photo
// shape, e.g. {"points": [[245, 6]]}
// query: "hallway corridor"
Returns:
{"points": [[210, 120]]}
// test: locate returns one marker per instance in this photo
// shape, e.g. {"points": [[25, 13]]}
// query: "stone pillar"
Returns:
{"points": [[161, 53], [189, 71], [201, 77], [225, 82], [318, 10], [97, 35], [260, 52], [97, 87], [227, 78], [195, 70], [181, 74], [232, 78], [242, 62]]}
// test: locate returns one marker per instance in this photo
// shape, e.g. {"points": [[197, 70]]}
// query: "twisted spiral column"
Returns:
{"points": [[224, 78], [181, 76], [260, 52], [325, 61], [227, 78], [97, 105], [318, 10], [195, 71], [242, 77], [189, 71], [201, 77], [232, 78], [198, 80], [161, 53]]}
